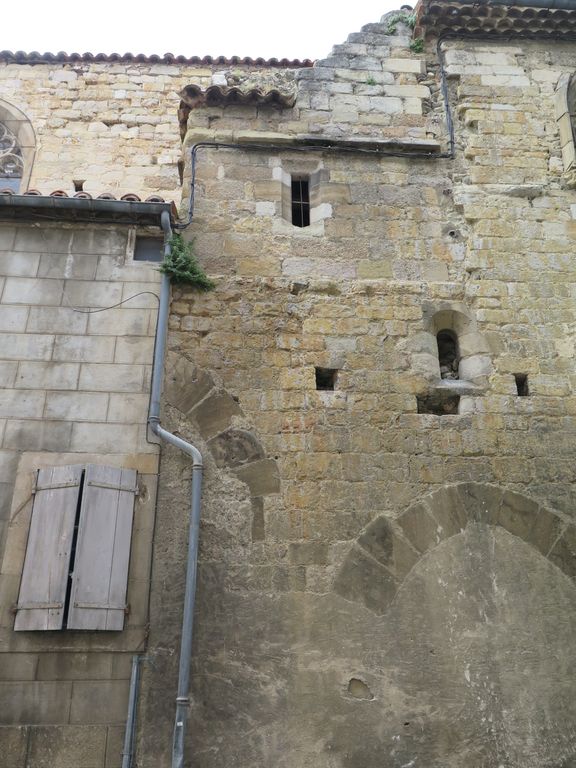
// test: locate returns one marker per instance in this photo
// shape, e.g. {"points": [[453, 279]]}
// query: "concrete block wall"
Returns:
{"points": [[75, 390]]}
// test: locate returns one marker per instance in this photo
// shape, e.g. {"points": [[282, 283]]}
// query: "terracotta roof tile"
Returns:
{"points": [[221, 95], [21, 57], [130, 197], [442, 17]]}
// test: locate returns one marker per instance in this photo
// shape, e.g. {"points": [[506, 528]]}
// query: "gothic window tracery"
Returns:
{"points": [[11, 161]]}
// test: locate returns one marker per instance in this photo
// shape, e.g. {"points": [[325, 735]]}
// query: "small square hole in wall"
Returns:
{"points": [[437, 404], [148, 249], [521, 380], [326, 379]]}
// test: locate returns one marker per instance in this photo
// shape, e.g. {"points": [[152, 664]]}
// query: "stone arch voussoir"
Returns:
{"points": [[387, 550], [194, 392]]}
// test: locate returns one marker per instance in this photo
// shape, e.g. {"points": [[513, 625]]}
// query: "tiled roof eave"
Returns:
{"points": [[450, 18], [219, 95], [21, 57]]}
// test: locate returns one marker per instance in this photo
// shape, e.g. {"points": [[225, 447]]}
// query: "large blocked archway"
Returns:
{"points": [[471, 660], [387, 550]]}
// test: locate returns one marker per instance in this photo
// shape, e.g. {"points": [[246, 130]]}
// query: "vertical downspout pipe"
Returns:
{"points": [[183, 697], [128, 751]]}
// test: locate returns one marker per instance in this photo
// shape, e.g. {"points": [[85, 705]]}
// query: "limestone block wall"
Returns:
{"points": [[112, 125], [74, 390], [402, 592]]}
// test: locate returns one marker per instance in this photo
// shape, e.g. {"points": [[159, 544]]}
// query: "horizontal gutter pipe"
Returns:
{"points": [[183, 695], [83, 204], [305, 147]]}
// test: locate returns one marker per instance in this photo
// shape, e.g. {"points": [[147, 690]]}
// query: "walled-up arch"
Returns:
{"points": [[17, 148], [194, 393], [387, 550]]}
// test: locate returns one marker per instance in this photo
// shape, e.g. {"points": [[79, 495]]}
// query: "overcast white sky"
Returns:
{"points": [[295, 29]]}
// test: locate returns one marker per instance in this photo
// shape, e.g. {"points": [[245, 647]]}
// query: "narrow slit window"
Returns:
{"points": [[301, 202], [448, 354], [326, 379], [521, 380]]}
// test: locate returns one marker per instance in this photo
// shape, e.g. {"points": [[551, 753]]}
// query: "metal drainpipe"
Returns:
{"points": [[182, 698], [128, 750]]}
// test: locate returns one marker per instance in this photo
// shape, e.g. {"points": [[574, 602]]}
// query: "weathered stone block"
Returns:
{"points": [[420, 528], [102, 702], [18, 666], [102, 377], [52, 375], [37, 435], [234, 447], [19, 264], [261, 477], [385, 545], [56, 320], [308, 553], [185, 385], [104, 438], [76, 406], [35, 703], [67, 747], [18, 404], [214, 413], [14, 746], [13, 319], [84, 349], [22, 290], [74, 666], [361, 579]]}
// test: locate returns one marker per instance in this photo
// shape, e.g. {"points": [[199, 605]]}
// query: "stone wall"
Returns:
{"points": [[112, 125], [386, 567], [398, 588], [75, 385]]}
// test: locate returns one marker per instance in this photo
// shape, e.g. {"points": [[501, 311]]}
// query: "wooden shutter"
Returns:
{"points": [[46, 564], [99, 580]]}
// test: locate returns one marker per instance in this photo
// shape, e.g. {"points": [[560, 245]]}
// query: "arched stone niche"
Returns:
{"points": [[387, 550], [20, 127], [475, 363]]}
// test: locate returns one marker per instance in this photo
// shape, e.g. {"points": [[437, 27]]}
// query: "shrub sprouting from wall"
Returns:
{"points": [[182, 266]]}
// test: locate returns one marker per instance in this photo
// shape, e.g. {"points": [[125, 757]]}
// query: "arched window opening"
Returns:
{"points": [[448, 354], [11, 160]]}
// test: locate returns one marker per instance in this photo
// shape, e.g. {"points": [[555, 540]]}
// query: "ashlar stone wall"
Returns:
{"points": [[74, 390]]}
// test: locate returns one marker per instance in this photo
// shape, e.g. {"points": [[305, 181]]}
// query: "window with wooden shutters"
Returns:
{"points": [[76, 565]]}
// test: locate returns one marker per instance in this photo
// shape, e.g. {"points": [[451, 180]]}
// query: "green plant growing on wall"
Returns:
{"points": [[181, 265], [370, 81], [417, 45], [401, 17]]}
